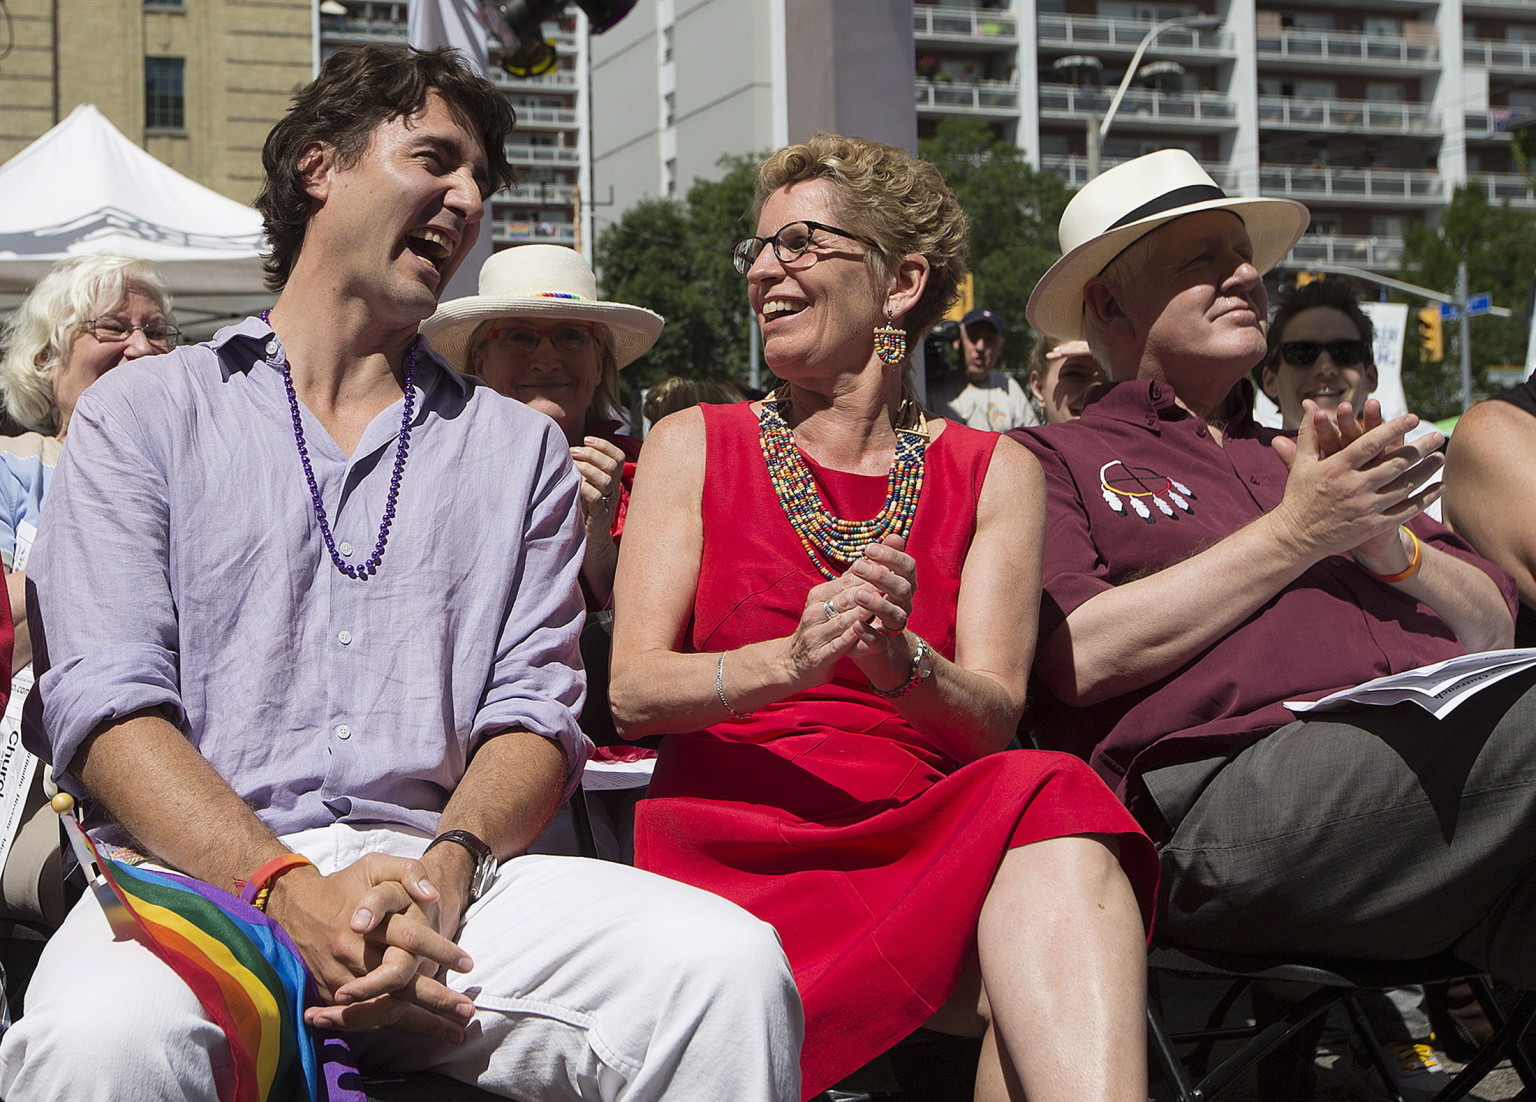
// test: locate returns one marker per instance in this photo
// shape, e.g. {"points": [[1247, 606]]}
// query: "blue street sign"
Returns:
{"points": [[1479, 304], [1449, 312]]}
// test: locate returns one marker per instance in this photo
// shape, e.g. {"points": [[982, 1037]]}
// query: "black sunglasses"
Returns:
{"points": [[1305, 353]]}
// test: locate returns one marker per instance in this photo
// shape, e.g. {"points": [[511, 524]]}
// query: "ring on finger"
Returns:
{"points": [[883, 630], [828, 608]]}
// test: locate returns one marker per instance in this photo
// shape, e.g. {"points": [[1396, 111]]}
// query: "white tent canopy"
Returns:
{"points": [[84, 188]]}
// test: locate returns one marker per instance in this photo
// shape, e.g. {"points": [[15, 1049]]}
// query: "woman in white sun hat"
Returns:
{"points": [[538, 332]]}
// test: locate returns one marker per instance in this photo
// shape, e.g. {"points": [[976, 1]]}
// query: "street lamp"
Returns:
{"points": [[1098, 128]]}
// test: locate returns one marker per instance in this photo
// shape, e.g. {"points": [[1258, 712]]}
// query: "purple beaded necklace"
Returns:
{"points": [[363, 571]]}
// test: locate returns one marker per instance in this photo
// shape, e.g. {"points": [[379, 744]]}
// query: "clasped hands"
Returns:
{"points": [[1353, 481], [375, 937], [861, 614]]}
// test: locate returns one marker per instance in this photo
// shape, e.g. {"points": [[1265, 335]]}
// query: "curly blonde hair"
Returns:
{"points": [[893, 198], [39, 333]]}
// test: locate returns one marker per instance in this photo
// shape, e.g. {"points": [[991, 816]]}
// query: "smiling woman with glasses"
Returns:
{"points": [[791, 243], [84, 317], [827, 603], [1319, 350], [538, 332]]}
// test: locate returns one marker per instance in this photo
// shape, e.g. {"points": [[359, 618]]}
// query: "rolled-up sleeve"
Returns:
{"points": [[99, 588], [538, 682]]}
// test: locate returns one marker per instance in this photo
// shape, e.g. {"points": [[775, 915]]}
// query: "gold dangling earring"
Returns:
{"points": [[890, 341]]}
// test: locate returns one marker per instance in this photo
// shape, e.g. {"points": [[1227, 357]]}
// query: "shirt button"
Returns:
{"points": [[1201, 431], [1156, 392], [343, 731], [345, 548], [1151, 421], [1254, 479], [271, 348], [344, 636], [1337, 561]]}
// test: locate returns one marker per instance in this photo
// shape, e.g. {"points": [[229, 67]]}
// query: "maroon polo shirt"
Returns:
{"points": [[1138, 484]]}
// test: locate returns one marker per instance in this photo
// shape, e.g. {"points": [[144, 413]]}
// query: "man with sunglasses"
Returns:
{"points": [[1202, 570], [1319, 351]]}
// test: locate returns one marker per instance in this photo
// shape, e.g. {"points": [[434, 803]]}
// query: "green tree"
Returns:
{"points": [[1498, 245], [1013, 211], [673, 256]]}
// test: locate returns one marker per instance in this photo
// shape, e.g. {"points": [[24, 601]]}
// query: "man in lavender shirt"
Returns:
{"points": [[306, 590]]}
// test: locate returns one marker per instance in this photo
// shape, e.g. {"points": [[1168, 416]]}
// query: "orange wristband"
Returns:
{"points": [[1415, 560], [255, 890]]}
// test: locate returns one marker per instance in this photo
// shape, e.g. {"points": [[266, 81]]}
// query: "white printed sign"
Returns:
{"points": [[17, 764]]}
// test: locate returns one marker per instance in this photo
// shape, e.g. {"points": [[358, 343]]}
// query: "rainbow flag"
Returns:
{"points": [[245, 971]]}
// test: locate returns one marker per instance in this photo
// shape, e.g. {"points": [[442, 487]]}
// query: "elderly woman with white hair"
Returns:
{"points": [[85, 316]]}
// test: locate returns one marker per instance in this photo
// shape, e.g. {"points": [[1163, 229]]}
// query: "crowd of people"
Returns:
{"points": [[309, 610]]}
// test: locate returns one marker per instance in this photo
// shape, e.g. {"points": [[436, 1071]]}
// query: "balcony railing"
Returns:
{"points": [[1511, 187], [1361, 252], [1074, 170], [546, 117], [1093, 30], [522, 233], [556, 79], [965, 23], [982, 96], [1497, 122], [1139, 104], [1499, 55], [1373, 184], [520, 153], [344, 27], [1346, 48], [552, 195], [1349, 115]]}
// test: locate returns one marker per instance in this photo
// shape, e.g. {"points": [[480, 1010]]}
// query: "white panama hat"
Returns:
{"points": [[1128, 202], [540, 281]]}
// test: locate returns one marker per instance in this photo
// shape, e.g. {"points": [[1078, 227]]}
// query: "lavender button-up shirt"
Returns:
{"points": [[182, 568]]}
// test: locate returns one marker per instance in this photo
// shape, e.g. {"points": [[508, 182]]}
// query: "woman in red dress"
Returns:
{"points": [[836, 690]]}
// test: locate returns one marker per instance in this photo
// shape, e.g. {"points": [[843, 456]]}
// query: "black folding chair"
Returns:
{"points": [[1334, 983]]}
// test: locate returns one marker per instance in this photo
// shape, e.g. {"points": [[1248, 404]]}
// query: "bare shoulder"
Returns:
{"points": [[1013, 468], [677, 434], [1492, 428]]}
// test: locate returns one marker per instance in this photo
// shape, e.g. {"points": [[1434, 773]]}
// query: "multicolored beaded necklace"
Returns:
{"points": [[364, 570], [831, 541]]}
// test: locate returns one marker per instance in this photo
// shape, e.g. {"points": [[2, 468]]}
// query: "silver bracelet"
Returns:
{"points": [[720, 690], [922, 670]]}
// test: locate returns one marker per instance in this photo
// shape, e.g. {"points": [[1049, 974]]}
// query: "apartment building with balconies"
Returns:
{"points": [[1371, 113]]}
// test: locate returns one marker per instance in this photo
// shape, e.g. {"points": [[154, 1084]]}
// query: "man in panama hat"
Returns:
{"points": [[1202, 570]]}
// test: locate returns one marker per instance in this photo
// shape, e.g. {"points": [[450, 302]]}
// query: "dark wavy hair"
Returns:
{"points": [[1338, 294], [357, 91]]}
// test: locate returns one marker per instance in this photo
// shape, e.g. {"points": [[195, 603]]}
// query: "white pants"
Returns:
{"points": [[591, 981]]}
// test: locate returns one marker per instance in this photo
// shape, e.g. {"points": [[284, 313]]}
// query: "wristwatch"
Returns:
{"points": [[485, 861], [922, 670]]}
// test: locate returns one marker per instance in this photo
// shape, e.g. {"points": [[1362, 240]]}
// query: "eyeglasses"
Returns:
{"points": [[109, 330], [789, 244], [1305, 353], [521, 340]]}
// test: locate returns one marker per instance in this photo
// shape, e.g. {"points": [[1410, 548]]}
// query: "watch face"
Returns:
{"points": [[925, 663]]}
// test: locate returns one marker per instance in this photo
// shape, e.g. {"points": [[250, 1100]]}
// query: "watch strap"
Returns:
{"points": [[485, 859]]}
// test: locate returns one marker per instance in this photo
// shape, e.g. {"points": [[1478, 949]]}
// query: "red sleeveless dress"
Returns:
{"points": [[827, 814]]}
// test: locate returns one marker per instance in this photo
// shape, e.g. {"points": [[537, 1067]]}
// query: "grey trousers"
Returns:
{"points": [[1372, 834]]}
